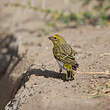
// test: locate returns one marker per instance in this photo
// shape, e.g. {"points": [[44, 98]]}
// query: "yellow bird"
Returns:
{"points": [[64, 55]]}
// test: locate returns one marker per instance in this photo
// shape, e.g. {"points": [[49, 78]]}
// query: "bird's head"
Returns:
{"points": [[56, 39]]}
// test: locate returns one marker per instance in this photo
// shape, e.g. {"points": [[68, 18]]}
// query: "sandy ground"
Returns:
{"points": [[45, 88]]}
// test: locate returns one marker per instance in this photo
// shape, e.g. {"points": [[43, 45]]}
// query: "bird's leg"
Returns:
{"points": [[60, 70], [60, 67]]}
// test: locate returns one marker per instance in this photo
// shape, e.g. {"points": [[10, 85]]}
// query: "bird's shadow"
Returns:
{"points": [[48, 73], [45, 73]]}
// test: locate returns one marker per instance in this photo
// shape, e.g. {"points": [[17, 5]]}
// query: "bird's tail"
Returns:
{"points": [[75, 66]]}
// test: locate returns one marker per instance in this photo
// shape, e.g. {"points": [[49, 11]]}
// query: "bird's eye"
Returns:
{"points": [[54, 37]]}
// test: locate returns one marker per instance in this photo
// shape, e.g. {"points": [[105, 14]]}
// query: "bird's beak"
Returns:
{"points": [[50, 38]]}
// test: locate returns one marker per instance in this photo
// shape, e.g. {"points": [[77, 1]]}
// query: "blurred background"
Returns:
{"points": [[54, 15]]}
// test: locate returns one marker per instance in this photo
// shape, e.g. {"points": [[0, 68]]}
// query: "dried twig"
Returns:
{"points": [[105, 54], [106, 72]]}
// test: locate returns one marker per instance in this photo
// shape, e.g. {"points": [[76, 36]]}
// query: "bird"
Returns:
{"points": [[64, 55]]}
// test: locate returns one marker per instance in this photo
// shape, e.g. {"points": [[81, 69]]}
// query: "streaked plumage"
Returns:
{"points": [[64, 55]]}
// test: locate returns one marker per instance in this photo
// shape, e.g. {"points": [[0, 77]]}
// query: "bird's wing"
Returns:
{"points": [[68, 50], [65, 57]]}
